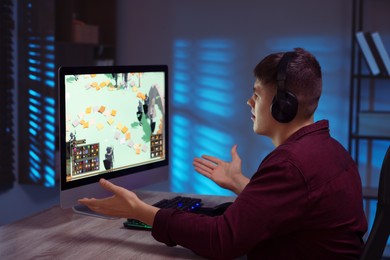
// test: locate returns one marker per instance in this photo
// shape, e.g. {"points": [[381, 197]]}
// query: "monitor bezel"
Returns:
{"points": [[79, 70]]}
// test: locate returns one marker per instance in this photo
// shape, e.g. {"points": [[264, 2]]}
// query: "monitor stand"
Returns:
{"points": [[84, 210]]}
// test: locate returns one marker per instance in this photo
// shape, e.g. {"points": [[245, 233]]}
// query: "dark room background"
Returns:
{"points": [[211, 49]]}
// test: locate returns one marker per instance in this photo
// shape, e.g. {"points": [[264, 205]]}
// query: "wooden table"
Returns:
{"points": [[59, 233]]}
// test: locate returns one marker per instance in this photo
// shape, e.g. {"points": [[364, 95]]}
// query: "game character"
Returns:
{"points": [[146, 104], [109, 161], [139, 112], [125, 79]]}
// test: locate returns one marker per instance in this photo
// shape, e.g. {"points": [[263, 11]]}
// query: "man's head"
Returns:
{"points": [[303, 80]]}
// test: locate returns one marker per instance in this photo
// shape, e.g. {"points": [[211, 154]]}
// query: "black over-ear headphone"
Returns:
{"points": [[285, 104]]}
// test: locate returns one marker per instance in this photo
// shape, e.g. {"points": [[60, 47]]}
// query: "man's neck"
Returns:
{"points": [[287, 130]]}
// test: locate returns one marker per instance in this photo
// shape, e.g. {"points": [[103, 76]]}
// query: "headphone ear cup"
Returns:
{"points": [[284, 107]]}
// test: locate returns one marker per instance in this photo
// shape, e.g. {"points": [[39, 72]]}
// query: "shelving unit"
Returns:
{"points": [[46, 41], [369, 115], [368, 121], [85, 32]]}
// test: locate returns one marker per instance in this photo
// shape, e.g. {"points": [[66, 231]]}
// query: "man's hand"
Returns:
{"points": [[123, 204], [228, 175]]}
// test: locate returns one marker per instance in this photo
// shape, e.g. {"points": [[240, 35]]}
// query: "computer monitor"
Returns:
{"points": [[113, 124]]}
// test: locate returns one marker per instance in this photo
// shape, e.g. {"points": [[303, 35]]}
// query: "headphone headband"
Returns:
{"points": [[285, 104], [282, 69]]}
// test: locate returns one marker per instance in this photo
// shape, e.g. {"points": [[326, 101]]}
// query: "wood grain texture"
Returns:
{"points": [[59, 233]]}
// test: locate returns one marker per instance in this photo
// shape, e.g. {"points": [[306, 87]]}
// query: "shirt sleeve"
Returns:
{"points": [[271, 204]]}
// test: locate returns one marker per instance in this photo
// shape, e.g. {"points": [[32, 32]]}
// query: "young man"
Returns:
{"points": [[304, 201]]}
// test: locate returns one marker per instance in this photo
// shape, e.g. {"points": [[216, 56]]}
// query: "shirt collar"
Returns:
{"points": [[317, 126]]}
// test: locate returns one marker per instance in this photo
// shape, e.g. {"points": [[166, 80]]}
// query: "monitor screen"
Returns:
{"points": [[113, 125]]}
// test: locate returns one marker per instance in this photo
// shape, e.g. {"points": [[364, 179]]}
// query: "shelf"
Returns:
{"points": [[368, 76], [99, 14], [373, 124], [369, 137], [370, 193]]}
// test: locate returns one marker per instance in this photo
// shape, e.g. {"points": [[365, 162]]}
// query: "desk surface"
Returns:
{"points": [[62, 234]]}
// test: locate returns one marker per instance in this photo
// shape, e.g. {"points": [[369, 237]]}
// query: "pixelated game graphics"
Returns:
{"points": [[113, 121]]}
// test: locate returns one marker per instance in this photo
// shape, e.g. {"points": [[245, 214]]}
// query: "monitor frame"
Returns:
{"points": [[132, 177]]}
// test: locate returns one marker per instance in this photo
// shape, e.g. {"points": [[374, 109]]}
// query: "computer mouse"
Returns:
{"points": [[221, 208]]}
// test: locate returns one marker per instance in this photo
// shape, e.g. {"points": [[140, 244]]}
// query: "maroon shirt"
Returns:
{"points": [[304, 202]]}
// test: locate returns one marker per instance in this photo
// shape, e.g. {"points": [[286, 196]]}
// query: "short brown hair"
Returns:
{"points": [[303, 78]]}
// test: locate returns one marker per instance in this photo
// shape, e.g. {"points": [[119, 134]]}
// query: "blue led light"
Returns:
{"points": [[50, 136], [34, 69], [33, 147], [32, 61], [50, 101], [34, 109], [34, 101], [49, 151], [34, 93], [32, 132], [50, 83], [50, 119], [50, 56], [49, 179], [50, 47], [50, 110], [34, 125], [34, 117], [34, 175], [50, 74], [49, 65], [34, 46], [34, 156], [33, 77], [50, 128], [34, 54]]}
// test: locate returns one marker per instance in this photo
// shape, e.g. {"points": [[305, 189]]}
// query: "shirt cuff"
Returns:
{"points": [[160, 227]]}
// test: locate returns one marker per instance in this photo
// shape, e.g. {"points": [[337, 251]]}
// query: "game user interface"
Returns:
{"points": [[114, 121]]}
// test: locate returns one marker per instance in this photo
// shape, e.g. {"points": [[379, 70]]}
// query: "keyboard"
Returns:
{"points": [[181, 203]]}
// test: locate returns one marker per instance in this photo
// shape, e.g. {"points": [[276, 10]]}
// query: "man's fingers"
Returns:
{"points": [[111, 187], [90, 203], [204, 173], [211, 159], [201, 168], [234, 152], [204, 163]]}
